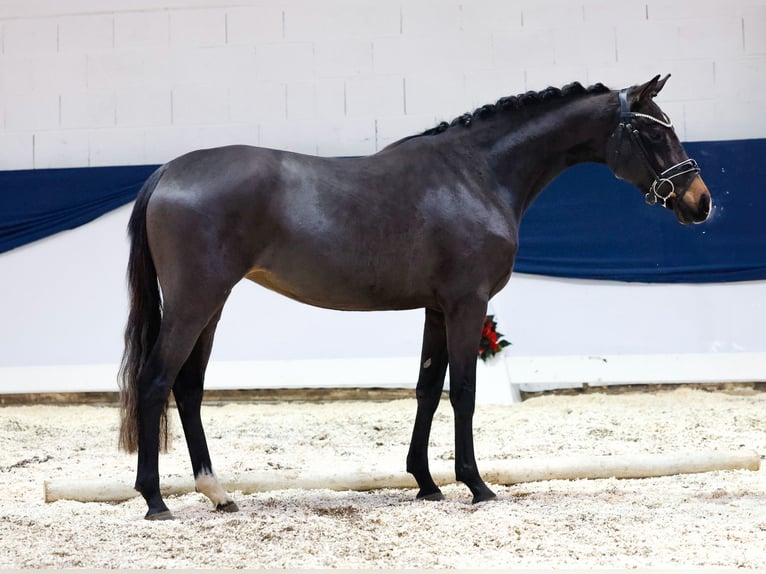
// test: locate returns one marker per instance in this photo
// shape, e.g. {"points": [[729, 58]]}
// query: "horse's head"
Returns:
{"points": [[644, 150]]}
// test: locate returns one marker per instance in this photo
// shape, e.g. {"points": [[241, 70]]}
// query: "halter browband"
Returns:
{"points": [[663, 178]]}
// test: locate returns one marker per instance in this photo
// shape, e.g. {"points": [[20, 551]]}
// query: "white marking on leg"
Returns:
{"points": [[207, 483]]}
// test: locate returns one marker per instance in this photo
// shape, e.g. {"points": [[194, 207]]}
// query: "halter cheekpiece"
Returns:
{"points": [[662, 179]]}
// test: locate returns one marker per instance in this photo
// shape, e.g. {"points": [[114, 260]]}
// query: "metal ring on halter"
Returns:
{"points": [[657, 196], [682, 168]]}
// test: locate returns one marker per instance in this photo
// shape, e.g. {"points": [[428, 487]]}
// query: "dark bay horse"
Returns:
{"points": [[431, 221]]}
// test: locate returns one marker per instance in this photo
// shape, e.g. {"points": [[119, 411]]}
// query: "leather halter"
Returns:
{"points": [[662, 179]]}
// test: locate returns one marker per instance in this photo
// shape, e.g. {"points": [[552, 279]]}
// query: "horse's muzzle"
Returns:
{"points": [[695, 204]]}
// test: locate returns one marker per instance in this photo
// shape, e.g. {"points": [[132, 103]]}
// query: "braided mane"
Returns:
{"points": [[515, 102]]}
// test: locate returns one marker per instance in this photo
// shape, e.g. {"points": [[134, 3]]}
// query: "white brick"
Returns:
{"points": [[541, 77], [343, 58], [312, 20], [700, 122], [375, 96], [142, 107], [486, 87], [228, 65], [647, 41], [483, 16], [61, 149], [200, 105], [707, 121], [548, 14], [115, 69], [322, 99], [49, 72], [298, 136], [711, 38], [692, 80], [429, 17], [88, 109], [350, 137], [16, 150], [142, 30], [754, 26], [436, 54], [197, 28], [30, 36], [675, 111], [253, 25], [128, 68], [394, 128], [86, 33], [244, 134], [33, 110], [330, 98], [619, 76], [292, 61], [301, 101], [679, 10], [523, 49], [117, 147], [398, 55], [739, 80], [589, 44], [264, 101], [166, 143], [609, 13], [440, 95], [224, 135]]}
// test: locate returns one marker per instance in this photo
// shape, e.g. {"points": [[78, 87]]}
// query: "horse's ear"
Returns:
{"points": [[648, 90]]}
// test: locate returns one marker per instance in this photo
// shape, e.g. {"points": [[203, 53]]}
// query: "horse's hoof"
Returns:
{"points": [[163, 515], [484, 496], [230, 506], [435, 496]]}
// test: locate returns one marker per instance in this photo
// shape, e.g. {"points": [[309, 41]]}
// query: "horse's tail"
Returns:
{"points": [[144, 320]]}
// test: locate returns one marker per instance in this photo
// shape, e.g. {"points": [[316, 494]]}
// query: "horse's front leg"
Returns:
{"points": [[464, 324], [433, 367]]}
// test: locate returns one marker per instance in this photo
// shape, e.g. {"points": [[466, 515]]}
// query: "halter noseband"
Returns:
{"points": [[665, 178]]}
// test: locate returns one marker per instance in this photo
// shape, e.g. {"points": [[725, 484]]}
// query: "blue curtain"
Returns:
{"points": [[38, 203], [586, 224]]}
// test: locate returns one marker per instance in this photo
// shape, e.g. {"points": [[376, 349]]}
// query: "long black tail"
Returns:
{"points": [[143, 321]]}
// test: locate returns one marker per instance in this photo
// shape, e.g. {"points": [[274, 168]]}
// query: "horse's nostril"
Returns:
{"points": [[704, 205]]}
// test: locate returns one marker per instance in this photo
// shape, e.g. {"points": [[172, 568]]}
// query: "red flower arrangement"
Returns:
{"points": [[491, 341]]}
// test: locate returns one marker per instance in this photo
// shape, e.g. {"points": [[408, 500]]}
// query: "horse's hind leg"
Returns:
{"points": [[180, 330], [433, 367], [188, 390]]}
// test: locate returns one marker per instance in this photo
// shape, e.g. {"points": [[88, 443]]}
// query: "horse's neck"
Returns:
{"points": [[529, 151]]}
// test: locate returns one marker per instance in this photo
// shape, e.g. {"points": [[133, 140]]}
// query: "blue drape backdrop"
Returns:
{"points": [[586, 224]]}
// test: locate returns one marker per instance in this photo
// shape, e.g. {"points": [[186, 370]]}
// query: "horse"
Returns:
{"points": [[430, 221]]}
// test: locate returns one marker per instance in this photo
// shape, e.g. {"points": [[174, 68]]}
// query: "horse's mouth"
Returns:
{"points": [[695, 205]]}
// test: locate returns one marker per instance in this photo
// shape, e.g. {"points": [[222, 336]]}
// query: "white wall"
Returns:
{"points": [[105, 82], [116, 82]]}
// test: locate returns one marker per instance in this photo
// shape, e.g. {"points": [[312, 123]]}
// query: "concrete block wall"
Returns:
{"points": [[117, 82]]}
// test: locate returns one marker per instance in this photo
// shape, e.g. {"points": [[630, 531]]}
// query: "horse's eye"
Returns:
{"points": [[655, 136]]}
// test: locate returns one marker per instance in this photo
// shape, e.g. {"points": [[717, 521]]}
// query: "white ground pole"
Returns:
{"points": [[496, 472]]}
